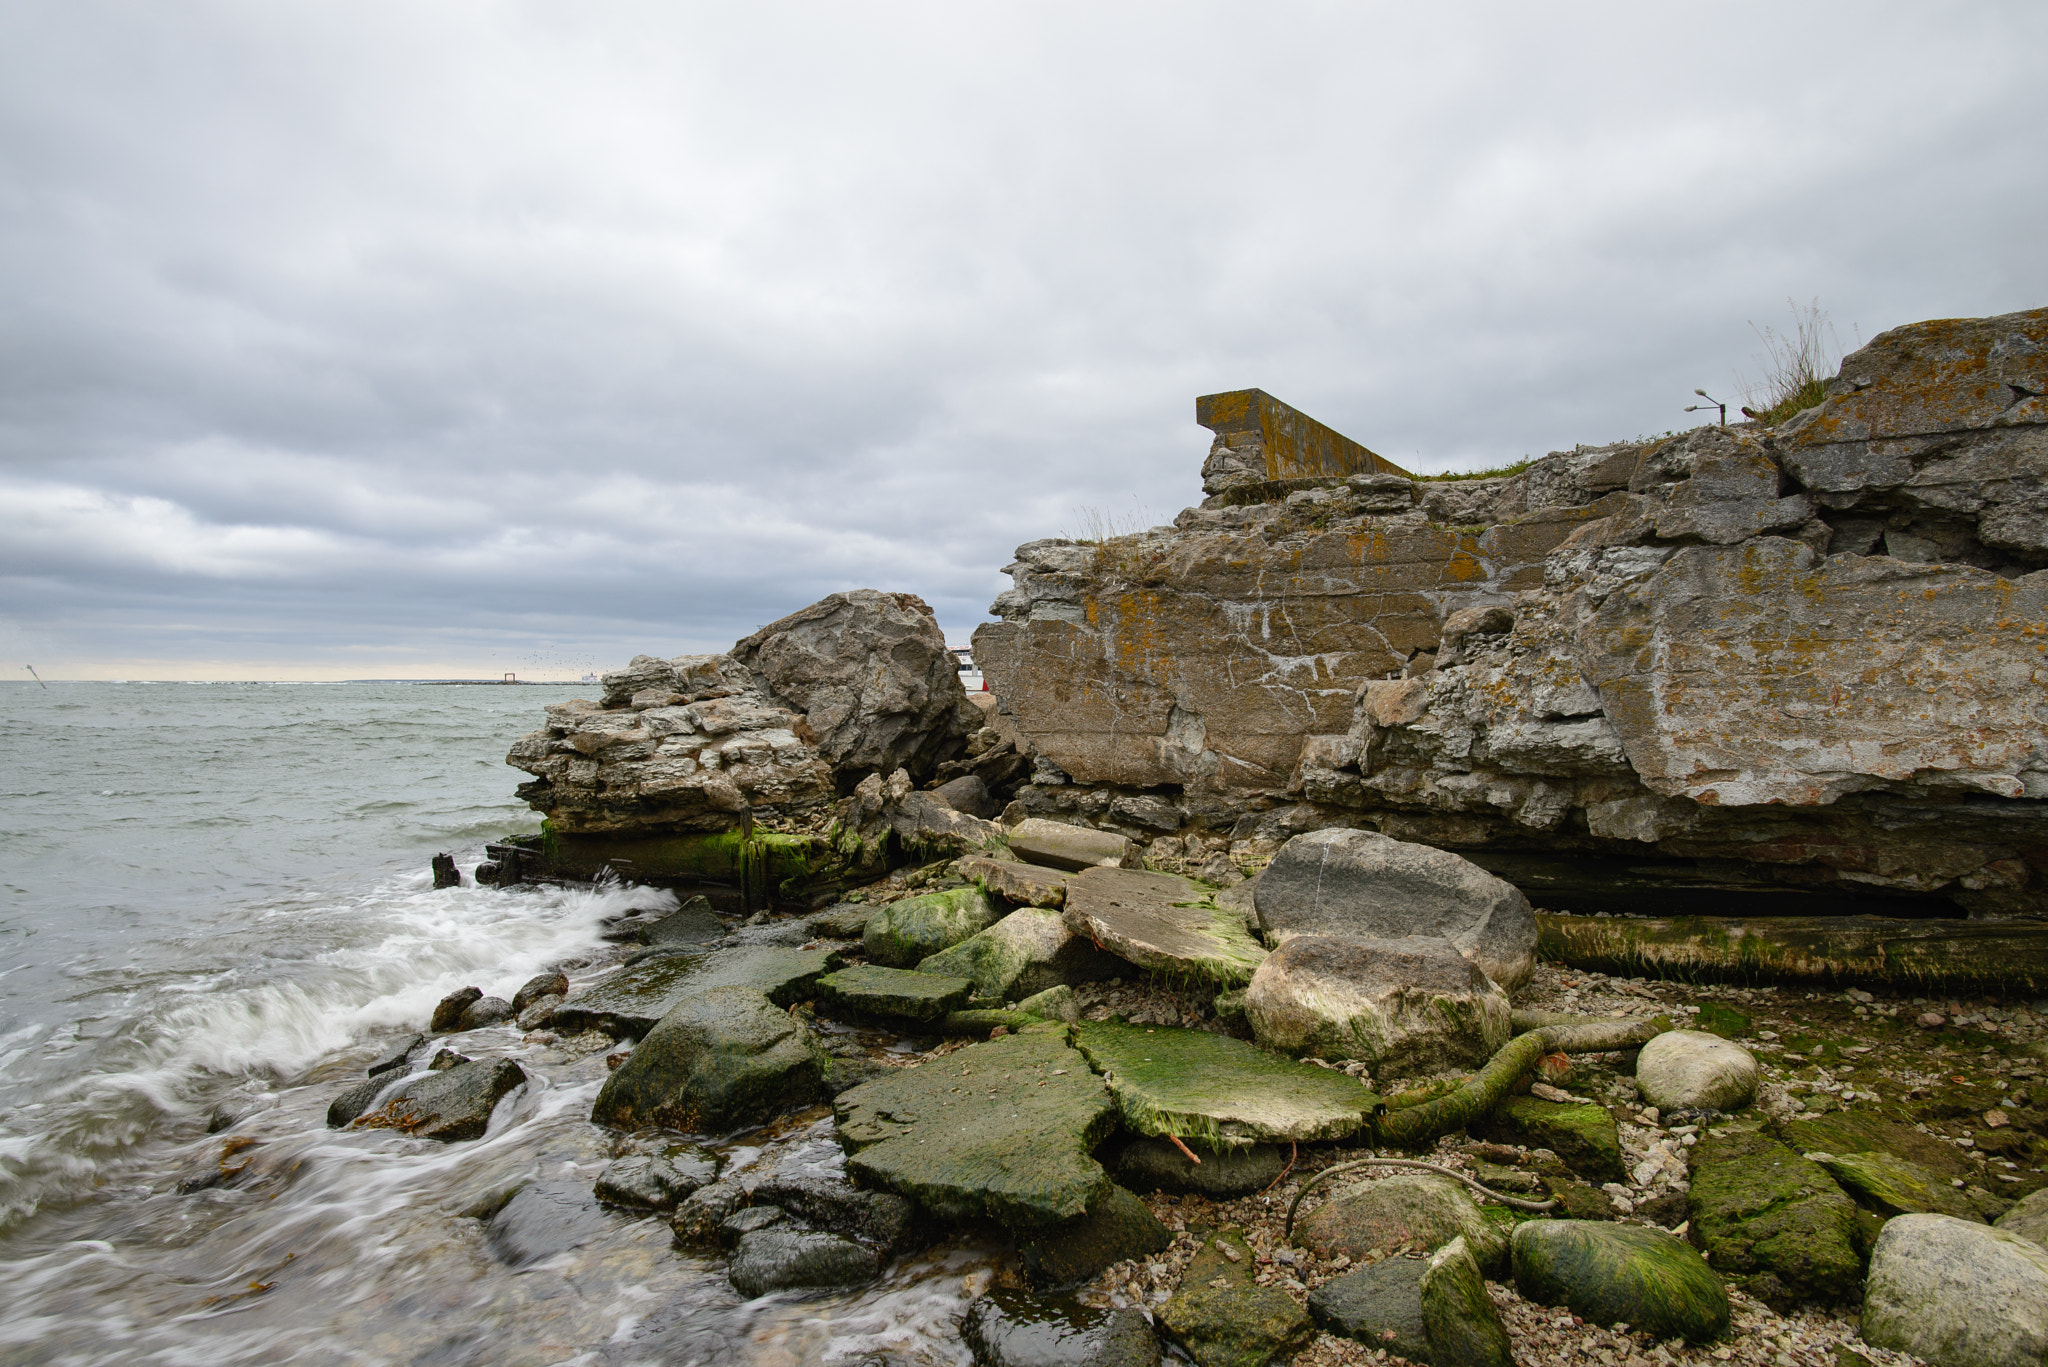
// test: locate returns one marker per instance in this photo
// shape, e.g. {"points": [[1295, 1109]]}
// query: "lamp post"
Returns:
{"points": [[1711, 402]]}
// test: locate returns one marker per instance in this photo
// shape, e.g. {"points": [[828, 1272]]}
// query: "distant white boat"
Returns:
{"points": [[970, 673]]}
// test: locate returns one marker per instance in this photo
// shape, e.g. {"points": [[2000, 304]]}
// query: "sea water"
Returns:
{"points": [[216, 913]]}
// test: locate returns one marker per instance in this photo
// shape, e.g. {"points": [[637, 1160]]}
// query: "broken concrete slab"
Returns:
{"points": [[873, 990], [1031, 885], [1061, 846], [1027, 952], [1191, 1084], [1003, 1130], [1162, 921], [630, 1001]]}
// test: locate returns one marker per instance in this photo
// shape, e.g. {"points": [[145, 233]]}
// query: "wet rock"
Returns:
{"points": [[1120, 1226], [633, 999], [1008, 1328], [980, 1137], [552, 983], [749, 1220], [1366, 886], [1890, 1185], [1223, 1173], [916, 928], [539, 1013], [450, 1008], [693, 923], [1458, 1317], [1196, 1085], [545, 1218], [446, 875], [881, 1218], [448, 1106], [1585, 1138], [1161, 921], [1615, 1274], [653, 1181], [1851, 1132], [1379, 1305], [1061, 846], [1956, 1293], [968, 794], [1773, 1223], [1405, 1007], [868, 989], [1031, 885], [1420, 1209], [1690, 1070], [1025, 953], [483, 1013], [701, 1213], [396, 1056], [784, 1259], [845, 921], [1223, 1318], [722, 1059], [2028, 1218], [356, 1100], [848, 1073]]}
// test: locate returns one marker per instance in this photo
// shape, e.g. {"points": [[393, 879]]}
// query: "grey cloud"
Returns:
{"points": [[460, 332]]}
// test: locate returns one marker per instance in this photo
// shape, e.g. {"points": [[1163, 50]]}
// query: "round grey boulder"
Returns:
{"points": [[484, 1011], [1689, 1070], [1406, 1007], [1957, 1293], [1362, 885]]}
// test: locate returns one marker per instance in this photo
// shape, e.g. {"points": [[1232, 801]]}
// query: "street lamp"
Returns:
{"points": [[1711, 402]]}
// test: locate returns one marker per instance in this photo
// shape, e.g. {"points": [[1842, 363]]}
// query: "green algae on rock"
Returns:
{"points": [[1614, 1274], [915, 928], [1162, 921], [1775, 1224], [633, 999], [1004, 1130], [1223, 1318], [1025, 953], [1195, 1085], [722, 1059], [874, 990], [1891, 1185], [1584, 1137], [1458, 1317]]}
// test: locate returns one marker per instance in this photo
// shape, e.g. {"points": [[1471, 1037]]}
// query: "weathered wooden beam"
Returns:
{"points": [[1873, 951]]}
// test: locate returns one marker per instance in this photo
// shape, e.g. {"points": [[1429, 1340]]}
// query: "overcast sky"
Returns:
{"points": [[408, 339]]}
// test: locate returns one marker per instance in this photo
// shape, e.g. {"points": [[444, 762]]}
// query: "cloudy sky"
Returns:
{"points": [[345, 340]]}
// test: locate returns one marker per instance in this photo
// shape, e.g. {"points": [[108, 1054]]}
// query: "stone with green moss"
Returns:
{"points": [[721, 1060], [869, 989], [1004, 1130], [1890, 1185], [983, 1021], [905, 932], [1621, 1274], [1195, 1085], [1585, 1138], [1163, 922], [1459, 1319], [1774, 1223], [1023, 954], [1222, 1317], [633, 999], [1054, 1004], [1724, 1021], [1843, 1132], [1419, 1209]]}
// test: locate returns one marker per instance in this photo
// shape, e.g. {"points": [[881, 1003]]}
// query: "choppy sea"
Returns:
{"points": [[215, 910]]}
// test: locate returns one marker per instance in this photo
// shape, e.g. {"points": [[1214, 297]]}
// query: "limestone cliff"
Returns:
{"points": [[1805, 659]]}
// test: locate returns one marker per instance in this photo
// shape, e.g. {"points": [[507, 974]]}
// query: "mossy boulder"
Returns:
{"points": [[1004, 1130], [869, 989], [1890, 1185], [916, 928], [1025, 953], [1162, 922], [1458, 1317], [1614, 1274], [1585, 1138], [1224, 1318], [1422, 1210], [1379, 1305], [1053, 1004], [1196, 1085], [633, 999], [1117, 1227], [723, 1059], [1773, 1222]]}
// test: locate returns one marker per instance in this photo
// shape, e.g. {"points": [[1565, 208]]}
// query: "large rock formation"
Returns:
{"points": [[1802, 659]]}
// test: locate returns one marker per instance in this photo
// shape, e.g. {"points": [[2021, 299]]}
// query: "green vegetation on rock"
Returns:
{"points": [[1613, 1274], [1223, 1318], [905, 932], [1458, 1317], [633, 999], [1192, 1084], [1774, 1223], [1584, 1137], [1004, 1130], [721, 1060], [874, 990], [1891, 1185]]}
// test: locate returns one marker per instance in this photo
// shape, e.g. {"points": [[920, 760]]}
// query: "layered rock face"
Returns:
{"points": [[1805, 659], [857, 684]]}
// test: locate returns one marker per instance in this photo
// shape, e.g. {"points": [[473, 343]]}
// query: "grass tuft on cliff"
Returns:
{"points": [[1796, 365]]}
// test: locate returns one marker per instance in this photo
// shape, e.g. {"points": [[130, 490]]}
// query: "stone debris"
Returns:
{"points": [[1163, 922]]}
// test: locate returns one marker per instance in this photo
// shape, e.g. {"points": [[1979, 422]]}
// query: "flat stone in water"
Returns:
{"points": [[844, 921], [1159, 921], [879, 991], [654, 1182], [448, 1106], [974, 1134], [546, 1218], [634, 998], [1017, 1329], [783, 1259], [1379, 1305], [692, 923], [1195, 1085]]}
